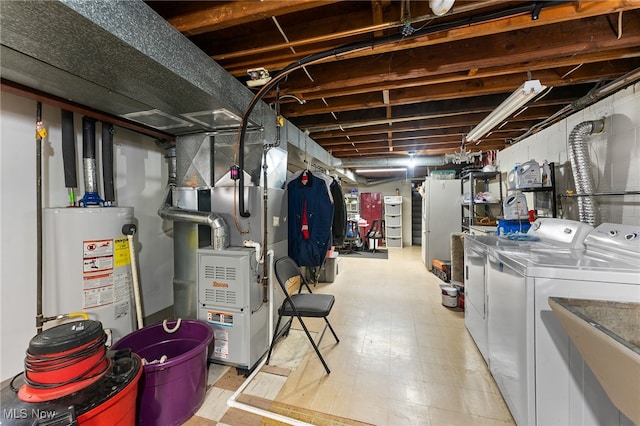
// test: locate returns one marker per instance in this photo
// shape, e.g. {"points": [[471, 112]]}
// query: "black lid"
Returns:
{"points": [[65, 337]]}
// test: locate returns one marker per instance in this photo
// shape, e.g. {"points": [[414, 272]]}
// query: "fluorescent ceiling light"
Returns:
{"points": [[394, 169], [523, 94]]}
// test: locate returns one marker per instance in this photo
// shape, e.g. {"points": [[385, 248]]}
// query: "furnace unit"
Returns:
{"points": [[230, 296]]}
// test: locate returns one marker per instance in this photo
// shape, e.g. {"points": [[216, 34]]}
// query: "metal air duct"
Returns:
{"points": [[436, 160], [91, 197], [58, 47], [581, 168]]}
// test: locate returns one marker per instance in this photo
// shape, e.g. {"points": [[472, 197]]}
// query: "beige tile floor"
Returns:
{"points": [[403, 358]]}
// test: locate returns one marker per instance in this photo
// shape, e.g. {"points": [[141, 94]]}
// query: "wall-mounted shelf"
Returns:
{"points": [[601, 194], [539, 196]]}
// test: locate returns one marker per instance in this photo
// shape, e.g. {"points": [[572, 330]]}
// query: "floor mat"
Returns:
{"points": [[366, 254]]}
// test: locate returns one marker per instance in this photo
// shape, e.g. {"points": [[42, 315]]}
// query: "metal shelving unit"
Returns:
{"points": [[545, 197], [353, 205], [472, 210]]}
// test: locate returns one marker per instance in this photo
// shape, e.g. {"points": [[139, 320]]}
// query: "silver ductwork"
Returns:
{"points": [[436, 160], [581, 168], [89, 155], [219, 229], [78, 49]]}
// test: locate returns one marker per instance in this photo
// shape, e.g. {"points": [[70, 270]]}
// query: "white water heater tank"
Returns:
{"points": [[87, 266]]}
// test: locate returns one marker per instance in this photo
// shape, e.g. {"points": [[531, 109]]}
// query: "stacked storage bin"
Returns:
{"points": [[393, 220]]}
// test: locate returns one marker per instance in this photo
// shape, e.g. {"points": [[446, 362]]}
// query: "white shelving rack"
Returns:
{"points": [[353, 205], [393, 220]]}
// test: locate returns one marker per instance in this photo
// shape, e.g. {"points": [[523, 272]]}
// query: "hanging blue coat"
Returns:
{"points": [[319, 213]]}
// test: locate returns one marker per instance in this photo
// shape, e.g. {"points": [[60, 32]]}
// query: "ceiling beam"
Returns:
{"points": [[556, 46], [221, 15], [550, 15]]}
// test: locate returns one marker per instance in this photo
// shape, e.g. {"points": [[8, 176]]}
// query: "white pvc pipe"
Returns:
{"points": [[232, 401], [251, 243], [270, 255], [136, 283]]}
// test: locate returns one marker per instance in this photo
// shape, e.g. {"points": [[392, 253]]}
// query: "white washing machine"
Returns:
{"points": [[540, 373], [550, 232]]}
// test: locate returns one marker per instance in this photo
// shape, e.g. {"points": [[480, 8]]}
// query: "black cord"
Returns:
{"points": [[37, 364]]}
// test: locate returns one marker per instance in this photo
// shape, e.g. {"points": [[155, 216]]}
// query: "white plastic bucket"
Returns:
{"points": [[449, 297]]}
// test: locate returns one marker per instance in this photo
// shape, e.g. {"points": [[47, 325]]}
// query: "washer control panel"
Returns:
{"points": [[615, 238]]}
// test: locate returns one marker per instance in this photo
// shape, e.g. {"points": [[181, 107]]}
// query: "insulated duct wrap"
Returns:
{"points": [[89, 154], [581, 168], [107, 163], [69, 150]]}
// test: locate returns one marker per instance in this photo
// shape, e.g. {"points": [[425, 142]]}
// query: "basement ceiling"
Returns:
{"points": [[380, 80], [418, 82]]}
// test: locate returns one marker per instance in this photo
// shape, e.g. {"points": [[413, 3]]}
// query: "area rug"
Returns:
{"points": [[366, 254]]}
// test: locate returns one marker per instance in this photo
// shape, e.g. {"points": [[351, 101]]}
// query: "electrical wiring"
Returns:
{"points": [[353, 47]]}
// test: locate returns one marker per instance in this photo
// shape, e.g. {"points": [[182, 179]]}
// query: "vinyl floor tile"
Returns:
{"points": [[403, 358]]}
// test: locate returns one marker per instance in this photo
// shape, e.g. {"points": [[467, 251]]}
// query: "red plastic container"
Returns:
{"points": [[110, 401], [120, 410]]}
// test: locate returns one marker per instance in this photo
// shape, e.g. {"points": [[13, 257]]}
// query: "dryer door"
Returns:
{"points": [[475, 294]]}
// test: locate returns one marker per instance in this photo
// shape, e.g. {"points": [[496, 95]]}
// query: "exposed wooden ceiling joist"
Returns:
{"points": [[421, 93]]}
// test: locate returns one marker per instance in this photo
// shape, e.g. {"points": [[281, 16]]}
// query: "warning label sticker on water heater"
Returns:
{"points": [[97, 256], [98, 248], [97, 297], [98, 278], [121, 253]]}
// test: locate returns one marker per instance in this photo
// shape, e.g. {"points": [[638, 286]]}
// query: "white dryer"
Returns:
{"points": [[539, 371], [561, 234]]}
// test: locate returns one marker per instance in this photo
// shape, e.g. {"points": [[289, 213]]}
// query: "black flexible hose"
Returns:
{"points": [[351, 47], [37, 364], [107, 162], [69, 150]]}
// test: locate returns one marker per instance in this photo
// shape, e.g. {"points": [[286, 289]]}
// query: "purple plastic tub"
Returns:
{"points": [[172, 391]]}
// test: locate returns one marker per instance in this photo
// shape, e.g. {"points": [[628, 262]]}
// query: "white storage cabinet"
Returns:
{"points": [[393, 220]]}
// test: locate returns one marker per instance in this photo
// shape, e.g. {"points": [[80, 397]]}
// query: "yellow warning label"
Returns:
{"points": [[121, 252]]}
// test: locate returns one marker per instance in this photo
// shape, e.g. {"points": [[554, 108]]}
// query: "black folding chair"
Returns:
{"points": [[300, 305]]}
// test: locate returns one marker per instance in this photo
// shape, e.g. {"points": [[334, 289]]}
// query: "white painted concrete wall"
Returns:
{"points": [[140, 177], [140, 173], [404, 188], [615, 155]]}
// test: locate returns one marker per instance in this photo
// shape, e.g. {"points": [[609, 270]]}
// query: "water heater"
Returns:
{"points": [[87, 266]]}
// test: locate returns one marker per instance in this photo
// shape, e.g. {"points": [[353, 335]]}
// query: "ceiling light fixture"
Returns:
{"points": [[259, 77], [523, 94], [411, 162], [440, 7], [463, 156]]}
